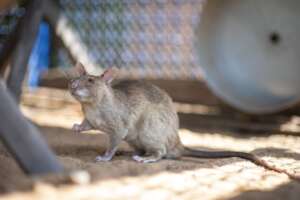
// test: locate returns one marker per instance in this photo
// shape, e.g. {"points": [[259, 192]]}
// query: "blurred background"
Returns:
{"points": [[157, 41], [152, 39], [230, 69]]}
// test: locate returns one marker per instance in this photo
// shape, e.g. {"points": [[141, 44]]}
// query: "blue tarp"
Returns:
{"points": [[39, 58]]}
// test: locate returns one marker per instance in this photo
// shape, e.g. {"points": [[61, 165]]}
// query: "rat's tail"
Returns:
{"points": [[229, 154]]}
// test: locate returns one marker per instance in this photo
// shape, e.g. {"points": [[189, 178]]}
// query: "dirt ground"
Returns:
{"points": [[122, 178]]}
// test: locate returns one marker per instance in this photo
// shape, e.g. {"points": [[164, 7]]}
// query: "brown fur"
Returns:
{"points": [[139, 113]]}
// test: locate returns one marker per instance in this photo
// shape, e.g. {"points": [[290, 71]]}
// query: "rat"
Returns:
{"points": [[141, 114]]}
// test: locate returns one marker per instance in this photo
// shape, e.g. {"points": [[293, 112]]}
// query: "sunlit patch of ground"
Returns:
{"points": [[122, 178]]}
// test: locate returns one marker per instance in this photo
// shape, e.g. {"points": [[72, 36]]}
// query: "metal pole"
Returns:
{"points": [[20, 56], [23, 139]]}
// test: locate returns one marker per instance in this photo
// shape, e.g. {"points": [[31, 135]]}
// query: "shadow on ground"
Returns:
{"points": [[288, 191], [77, 151]]}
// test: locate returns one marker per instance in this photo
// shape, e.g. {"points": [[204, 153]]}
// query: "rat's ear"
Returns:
{"points": [[80, 68], [109, 75]]}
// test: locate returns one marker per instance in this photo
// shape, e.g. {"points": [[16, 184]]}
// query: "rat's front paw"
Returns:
{"points": [[76, 128], [103, 158]]}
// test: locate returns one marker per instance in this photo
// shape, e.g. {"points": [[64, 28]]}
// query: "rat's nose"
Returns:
{"points": [[74, 84]]}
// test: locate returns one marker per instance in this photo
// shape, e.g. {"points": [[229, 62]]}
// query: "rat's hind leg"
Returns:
{"points": [[154, 157], [114, 141]]}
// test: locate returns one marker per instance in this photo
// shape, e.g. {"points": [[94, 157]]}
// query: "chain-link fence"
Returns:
{"points": [[145, 38]]}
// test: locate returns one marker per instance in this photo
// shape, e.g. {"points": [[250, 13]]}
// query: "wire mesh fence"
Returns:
{"points": [[145, 38]]}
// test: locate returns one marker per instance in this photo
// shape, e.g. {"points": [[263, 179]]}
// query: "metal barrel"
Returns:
{"points": [[249, 52]]}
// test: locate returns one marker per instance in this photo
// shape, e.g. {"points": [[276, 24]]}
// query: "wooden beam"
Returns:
{"points": [[192, 116], [187, 91]]}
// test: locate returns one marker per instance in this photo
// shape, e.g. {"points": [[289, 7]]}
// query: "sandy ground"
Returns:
{"points": [[123, 178]]}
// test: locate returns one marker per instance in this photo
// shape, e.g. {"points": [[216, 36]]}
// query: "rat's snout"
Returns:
{"points": [[74, 84]]}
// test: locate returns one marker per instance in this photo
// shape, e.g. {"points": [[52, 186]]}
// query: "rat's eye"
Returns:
{"points": [[90, 80]]}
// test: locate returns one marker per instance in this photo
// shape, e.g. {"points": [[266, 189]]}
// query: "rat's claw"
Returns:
{"points": [[137, 158], [103, 158], [141, 159], [76, 128]]}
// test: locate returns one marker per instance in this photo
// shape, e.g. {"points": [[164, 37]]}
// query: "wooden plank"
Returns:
{"points": [[184, 91], [23, 139], [269, 125], [192, 116], [187, 91]]}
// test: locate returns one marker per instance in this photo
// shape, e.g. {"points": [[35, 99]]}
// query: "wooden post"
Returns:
{"points": [[23, 139]]}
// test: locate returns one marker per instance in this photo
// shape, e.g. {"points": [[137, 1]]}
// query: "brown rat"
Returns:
{"points": [[141, 114]]}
